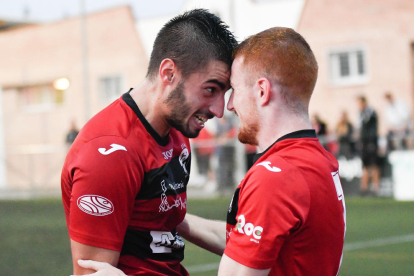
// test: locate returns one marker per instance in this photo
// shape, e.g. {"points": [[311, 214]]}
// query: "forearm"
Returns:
{"points": [[86, 252], [208, 234]]}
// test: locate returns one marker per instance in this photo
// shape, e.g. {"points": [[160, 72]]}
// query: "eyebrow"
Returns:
{"points": [[219, 83]]}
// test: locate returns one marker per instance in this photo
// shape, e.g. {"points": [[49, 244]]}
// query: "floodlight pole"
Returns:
{"points": [[85, 62]]}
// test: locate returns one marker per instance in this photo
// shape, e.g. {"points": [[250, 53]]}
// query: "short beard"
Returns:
{"points": [[248, 134], [177, 102]]}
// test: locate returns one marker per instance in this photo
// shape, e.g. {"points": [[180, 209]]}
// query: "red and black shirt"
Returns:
{"points": [[124, 189], [288, 213]]}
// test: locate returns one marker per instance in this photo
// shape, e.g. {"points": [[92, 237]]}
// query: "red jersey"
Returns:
{"points": [[288, 213], [124, 189]]}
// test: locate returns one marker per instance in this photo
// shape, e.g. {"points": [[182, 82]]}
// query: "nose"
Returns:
{"points": [[230, 106], [217, 107]]}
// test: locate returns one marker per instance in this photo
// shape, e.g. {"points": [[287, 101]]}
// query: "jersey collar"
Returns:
{"points": [[304, 133], [162, 141]]}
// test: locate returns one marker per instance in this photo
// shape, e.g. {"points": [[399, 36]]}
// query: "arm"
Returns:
{"points": [[102, 269], [208, 234], [86, 252], [229, 267]]}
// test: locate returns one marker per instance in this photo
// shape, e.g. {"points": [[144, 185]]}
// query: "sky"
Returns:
{"points": [[55, 10]]}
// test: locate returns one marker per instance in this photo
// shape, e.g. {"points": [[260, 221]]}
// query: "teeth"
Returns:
{"points": [[200, 120]]}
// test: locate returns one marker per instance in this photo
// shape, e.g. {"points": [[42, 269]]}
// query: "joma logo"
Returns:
{"points": [[167, 154]]}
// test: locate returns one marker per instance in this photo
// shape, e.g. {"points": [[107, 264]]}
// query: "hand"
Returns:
{"points": [[102, 268]]}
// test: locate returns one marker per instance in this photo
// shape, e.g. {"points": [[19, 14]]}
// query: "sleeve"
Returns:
{"points": [[272, 205], [106, 179]]}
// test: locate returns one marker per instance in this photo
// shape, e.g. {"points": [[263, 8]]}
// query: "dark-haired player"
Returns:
{"points": [[287, 216], [124, 179]]}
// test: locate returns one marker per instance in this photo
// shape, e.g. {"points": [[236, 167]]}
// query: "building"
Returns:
{"points": [[97, 58], [363, 48]]}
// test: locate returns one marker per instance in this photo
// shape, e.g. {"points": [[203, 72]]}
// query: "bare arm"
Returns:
{"points": [[208, 234], [102, 269], [229, 267], [86, 252]]}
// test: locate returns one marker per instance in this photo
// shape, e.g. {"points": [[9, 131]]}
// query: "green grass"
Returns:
{"points": [[34, 240]]}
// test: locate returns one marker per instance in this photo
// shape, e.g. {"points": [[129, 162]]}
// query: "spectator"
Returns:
{"points": [[319, 125], [344, 133], [225, 151], [368, 142], [321, 130], [71, 135], [397, 115], [203, 150], [250, 152]]}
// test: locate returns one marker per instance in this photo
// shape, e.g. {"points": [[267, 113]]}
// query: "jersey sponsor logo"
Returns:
{"points": [[167, 154], [114, 147], [248, 229], [266, 164], [95, 205], [165, 242], [165, 205], [183, 159], [176, 186]]}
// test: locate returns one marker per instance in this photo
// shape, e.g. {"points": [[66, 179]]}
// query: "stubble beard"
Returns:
{"points": [[248, 132], [177, 119]]}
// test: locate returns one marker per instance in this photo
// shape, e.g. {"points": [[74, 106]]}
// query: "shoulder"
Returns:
{"points": [[274, 175], [114, 120], [104, 152]]}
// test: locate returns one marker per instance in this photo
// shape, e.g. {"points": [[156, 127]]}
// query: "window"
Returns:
{"points": [[110, 88], [348, 66], [39, 98]]}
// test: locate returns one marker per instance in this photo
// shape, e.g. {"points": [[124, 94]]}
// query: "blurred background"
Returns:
{"points": [[61, 62]]}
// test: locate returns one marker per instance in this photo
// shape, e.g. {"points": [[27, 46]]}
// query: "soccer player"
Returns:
{"points": [[124, 179], [287, 216]]}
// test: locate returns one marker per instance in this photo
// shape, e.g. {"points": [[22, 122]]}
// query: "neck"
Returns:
{"points": [[270, 130], [148, 97]]}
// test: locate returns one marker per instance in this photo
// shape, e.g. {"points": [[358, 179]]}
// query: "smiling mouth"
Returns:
{"points": [[201, 120]]}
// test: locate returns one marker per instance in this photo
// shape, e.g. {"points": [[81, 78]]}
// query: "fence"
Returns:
{"points": [[217, 167]]}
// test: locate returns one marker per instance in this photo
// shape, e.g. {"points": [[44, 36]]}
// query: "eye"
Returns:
{"points": [[211, 89]]}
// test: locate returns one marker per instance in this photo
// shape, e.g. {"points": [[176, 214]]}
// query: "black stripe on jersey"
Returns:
{"points": [[169, 179], [143, 245], [162, 141], [233, 208], [304, 133]]}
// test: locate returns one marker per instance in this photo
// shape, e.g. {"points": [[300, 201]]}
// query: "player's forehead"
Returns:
{"points": [[237, 71], [214, 72]]}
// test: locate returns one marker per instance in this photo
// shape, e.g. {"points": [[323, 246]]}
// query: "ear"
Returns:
{"points": [[167, 71], [264, 87]]}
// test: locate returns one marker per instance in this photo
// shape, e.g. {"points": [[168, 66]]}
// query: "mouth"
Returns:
{"points": [[200, 119]]}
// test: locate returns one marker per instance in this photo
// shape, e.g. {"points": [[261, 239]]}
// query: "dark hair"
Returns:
{"points": [[362, 99], [192, 40]]}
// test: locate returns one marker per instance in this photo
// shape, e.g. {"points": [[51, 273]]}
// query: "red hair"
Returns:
{"points": [[285, 58]]}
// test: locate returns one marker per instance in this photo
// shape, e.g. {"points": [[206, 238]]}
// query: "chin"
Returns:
{"points": [[248, 135], [190, 133]]}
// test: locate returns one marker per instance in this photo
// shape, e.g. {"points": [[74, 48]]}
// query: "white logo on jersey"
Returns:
{"points": [[266, 165], [167, 154], [95, 205], [165, 242], [114, 147], [183, 157], [165, 205], [248, 228]]}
